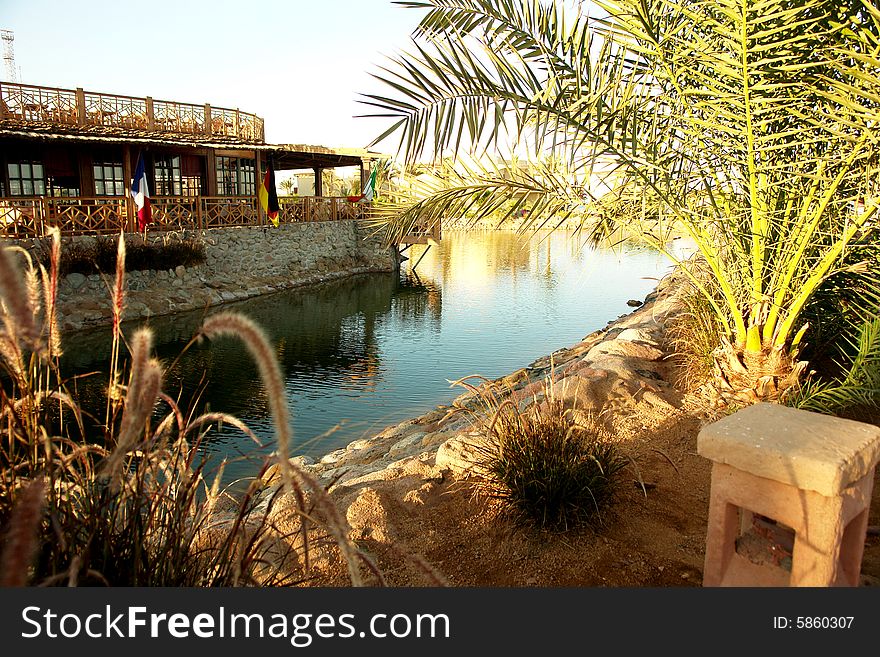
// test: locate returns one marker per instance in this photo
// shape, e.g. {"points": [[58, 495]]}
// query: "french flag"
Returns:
{"points": [[140, 194]]}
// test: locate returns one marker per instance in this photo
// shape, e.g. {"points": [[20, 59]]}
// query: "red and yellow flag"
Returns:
{"points": [[268, 196]]}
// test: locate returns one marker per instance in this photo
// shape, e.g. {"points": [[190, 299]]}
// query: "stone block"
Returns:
{"points": [[462, 454], [813, 474], [406, 446], [643, 335], [76, 280], [799, 448]]}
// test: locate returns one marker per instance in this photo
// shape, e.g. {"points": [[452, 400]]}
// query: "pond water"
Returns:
{"points": [[364, 352]]}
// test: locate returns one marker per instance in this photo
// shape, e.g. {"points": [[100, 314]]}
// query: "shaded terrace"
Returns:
{"points": [[68, 158]]}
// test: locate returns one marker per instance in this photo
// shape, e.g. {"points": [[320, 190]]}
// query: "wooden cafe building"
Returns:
{"points": [[67, 158]]}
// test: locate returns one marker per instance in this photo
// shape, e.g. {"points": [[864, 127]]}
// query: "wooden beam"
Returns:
{"points": [[319, 183], [211, 174], [151, 119], [126, 177], [86, 173], [80, 106]]}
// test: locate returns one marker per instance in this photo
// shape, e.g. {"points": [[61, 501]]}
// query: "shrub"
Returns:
{"points": [[544, 467], [99, 255]]}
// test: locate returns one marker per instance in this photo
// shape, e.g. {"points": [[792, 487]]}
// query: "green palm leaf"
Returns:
{"points": [[751, 125]]}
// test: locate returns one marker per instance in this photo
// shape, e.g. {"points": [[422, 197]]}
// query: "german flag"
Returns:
{"points": [[268, 196]]}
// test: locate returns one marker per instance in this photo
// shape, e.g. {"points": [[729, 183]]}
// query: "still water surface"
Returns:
{"points": [[372, 350]]}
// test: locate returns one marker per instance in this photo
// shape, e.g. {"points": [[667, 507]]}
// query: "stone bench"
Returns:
{"points": [[780, 472]]}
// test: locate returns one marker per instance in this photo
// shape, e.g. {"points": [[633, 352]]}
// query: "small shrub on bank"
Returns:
{"points": [[99, 256], [545, 468]]}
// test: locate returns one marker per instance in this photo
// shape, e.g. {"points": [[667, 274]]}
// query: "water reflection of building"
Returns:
{"points": [[417, 300], [325, 335], [364, 373]]}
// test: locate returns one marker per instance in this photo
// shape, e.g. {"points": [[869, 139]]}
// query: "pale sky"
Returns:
{"points": [[298, 64]]}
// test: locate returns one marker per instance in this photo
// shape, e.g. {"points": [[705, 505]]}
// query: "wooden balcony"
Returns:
{"points": [[27, 217], [76, 108]]}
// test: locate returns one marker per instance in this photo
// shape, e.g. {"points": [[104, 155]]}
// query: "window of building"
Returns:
{"points": [[235, 176], [169, 179], [63, 186], [62, 172], [26, 178], [108, 179], [191, 166]]}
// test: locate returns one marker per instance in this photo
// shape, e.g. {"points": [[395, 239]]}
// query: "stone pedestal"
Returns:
{"points": [[790, 497]]}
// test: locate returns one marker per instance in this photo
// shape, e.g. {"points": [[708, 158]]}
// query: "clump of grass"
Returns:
{"points": [[543, 466], [136, 504], [99, 255], [694, 335]]}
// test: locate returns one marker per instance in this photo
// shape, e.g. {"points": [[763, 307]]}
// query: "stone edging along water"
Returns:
{"points": [[609, 369], [241, 262]]}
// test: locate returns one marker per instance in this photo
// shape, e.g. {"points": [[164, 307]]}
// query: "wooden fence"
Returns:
{"points": [[23, 217], [75, 107]]}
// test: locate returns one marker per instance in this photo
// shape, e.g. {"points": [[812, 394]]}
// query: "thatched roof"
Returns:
{"points": [[37, 130], [284, 156], [303, 156]]}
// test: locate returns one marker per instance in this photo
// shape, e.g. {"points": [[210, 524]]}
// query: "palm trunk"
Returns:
{"points": [[746, 377]]}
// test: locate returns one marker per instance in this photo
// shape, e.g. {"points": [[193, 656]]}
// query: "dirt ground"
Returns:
{"points": [[428, 528]]}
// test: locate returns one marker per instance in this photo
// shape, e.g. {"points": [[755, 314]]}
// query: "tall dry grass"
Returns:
{"points": [[137, 504]]}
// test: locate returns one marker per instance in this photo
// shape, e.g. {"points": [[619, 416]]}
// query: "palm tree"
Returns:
{"points": [[751, 125], [287, 186]]}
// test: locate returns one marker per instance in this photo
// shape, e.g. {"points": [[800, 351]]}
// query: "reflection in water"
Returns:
{"points": [[371, 350]]}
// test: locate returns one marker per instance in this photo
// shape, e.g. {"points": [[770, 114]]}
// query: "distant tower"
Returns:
{"points": [[8, 55]]}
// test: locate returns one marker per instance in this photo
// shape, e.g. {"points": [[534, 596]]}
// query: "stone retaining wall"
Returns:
{"points": [[241, 262]]}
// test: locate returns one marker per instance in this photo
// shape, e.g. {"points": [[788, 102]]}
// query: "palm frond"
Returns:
{"points": [[750, 125], [859, 386]]}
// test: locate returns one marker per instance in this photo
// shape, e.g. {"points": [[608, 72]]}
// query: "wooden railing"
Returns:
{"points": [[319, 208], [22, 217], [84, 215], [226, 211], [75, 107], [175, 212]]}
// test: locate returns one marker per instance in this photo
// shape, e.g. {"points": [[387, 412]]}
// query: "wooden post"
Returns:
{"points": [[236, 123], [211, 174], [130, 212], [151, 122], [208, 128], [319, 183], [85, 164], [199, 220], [44, 216], [363, 177], [80, 106]]}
